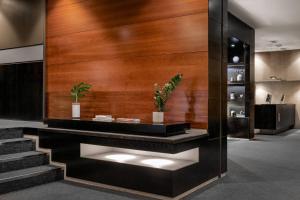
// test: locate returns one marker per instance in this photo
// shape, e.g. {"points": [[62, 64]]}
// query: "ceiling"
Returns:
{"points": [[276, 22]]}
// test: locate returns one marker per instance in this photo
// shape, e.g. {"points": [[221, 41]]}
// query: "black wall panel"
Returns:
{"points": [[217, 97], [21, 91]]}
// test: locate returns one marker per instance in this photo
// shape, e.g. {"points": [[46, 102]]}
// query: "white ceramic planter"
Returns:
{"points": [[75, 110], [158, 117]]}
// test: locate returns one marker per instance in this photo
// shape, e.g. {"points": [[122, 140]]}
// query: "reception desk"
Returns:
{"points": [[274, 118], [164, 159]]}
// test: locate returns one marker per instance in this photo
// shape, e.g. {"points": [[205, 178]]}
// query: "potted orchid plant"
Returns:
{"points": [[161, 96], [77, 92]]}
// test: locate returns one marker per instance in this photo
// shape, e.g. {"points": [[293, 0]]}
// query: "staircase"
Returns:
{"points": [[20, 165]]}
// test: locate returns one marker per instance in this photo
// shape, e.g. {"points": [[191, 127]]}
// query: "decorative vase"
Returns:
{"points": [[232, 96], [235, 59], [75, 110], [232, 113], [239, 77], [158, 117]]}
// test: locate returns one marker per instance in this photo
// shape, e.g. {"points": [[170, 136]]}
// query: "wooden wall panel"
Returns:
{"points": [[142, 39], [82, 15], [122, 48]]}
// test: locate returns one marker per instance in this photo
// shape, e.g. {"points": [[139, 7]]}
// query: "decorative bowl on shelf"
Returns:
{"points": [[235, 59]]}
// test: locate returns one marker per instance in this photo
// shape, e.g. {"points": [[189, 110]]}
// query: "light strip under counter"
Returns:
{"points": [[150, 159]]}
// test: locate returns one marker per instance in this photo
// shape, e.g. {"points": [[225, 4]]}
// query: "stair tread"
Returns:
{"points": [[14, 140], [13, 175], [11, 129], [15, 156], [4, 130]]}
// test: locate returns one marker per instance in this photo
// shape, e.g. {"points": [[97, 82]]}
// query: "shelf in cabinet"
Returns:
{"points": [[236, 101], [229, 117], [238, 65], [236, 84], [277, 81], [236, 106]]}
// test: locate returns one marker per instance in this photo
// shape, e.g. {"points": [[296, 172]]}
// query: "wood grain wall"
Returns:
{"points": [[122, 48]]}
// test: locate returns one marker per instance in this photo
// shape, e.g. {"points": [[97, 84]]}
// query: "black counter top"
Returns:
{"points": [[149, 129], [274, 118], [172, 144], [188, 136]]}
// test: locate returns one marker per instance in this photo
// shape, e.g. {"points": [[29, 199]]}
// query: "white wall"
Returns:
{"points": [[25, 54], [285, 64], [21, 23]]}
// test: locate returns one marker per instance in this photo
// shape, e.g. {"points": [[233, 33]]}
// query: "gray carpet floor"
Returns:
{"points": [[267, 168]]}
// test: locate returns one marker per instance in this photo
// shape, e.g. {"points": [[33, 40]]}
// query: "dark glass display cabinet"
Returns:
{"points": [[240, 79], [238, 85]]}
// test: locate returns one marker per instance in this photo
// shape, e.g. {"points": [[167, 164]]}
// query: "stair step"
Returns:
{"points": [[9, 133], [22, 160], [21, 179], [16, 145]]}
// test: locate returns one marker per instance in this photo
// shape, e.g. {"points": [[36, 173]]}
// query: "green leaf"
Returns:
{"points": [[79, 90], [161, 95]]}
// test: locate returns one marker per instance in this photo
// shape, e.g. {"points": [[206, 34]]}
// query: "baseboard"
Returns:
{"points": [[139, 193]]}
